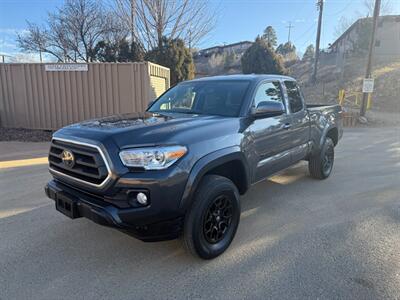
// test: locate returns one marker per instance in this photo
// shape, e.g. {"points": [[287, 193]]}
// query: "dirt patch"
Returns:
{"points": [[25, 135]]}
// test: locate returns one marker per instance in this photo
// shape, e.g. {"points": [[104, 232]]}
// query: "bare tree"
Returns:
{"points": [[36, 40], [386, 7], [151, 20], [368, 10], [343, 24], [72, 32], [126, 11]]}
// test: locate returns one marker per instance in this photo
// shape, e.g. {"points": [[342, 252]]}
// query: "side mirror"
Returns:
{"points": [[268, 109]]}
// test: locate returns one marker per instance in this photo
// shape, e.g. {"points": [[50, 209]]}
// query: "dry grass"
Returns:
{"points": [[386, 97]]}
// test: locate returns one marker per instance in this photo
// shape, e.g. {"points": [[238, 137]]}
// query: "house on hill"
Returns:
{"points": [[231, 48], [356, 38], [219, 60]]}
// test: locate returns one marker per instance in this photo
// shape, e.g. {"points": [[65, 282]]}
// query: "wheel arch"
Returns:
{"points": [[227, 162], [331, 132]]}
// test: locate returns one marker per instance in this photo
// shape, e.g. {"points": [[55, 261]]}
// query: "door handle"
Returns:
{"points": [[287, 126]]}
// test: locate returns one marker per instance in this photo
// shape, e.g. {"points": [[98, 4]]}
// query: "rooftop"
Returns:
{"points": [[226, 46], [381, 18]]}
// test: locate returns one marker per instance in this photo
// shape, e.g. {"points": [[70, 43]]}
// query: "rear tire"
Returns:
{"points": [[320, 165], [212, 221]]}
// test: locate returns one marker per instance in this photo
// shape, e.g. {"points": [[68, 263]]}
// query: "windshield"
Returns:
{"points": [[223, 98]]}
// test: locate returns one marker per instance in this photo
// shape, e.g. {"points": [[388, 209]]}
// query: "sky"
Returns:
{"points": [[237, 20]]}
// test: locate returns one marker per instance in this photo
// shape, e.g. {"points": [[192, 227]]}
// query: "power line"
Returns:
{"points": [[305, 32], [342, 10], [308, 38]]}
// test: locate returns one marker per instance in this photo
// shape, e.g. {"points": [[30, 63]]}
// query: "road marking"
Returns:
{"points": [[23, 162], [5, 213]]}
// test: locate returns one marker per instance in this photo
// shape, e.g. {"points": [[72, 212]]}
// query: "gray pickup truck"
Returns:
{"points": [[177, 170]]}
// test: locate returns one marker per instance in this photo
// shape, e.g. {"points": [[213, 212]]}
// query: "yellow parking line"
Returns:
{"points": [[23, 162]]}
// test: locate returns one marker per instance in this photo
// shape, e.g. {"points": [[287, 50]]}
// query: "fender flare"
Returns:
{"points": [[324, 134], [207, 163]]}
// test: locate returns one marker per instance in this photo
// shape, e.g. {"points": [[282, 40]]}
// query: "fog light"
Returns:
{"points": [[141, 198]]}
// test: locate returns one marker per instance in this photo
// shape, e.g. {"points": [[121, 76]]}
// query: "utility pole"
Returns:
{"points": [[320, 6], [133, 21], [363, 107], [290, 27]]}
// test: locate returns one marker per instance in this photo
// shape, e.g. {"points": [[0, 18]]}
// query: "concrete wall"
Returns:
{"points": [[387, 42], [36, 98]]}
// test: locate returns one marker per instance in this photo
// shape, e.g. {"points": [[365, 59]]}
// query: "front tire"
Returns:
{"points": [[212, 221], [320, 165]]}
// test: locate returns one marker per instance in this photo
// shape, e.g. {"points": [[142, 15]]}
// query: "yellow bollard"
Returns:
{"points": [[369, 103], [357, 99], [341, 96]]}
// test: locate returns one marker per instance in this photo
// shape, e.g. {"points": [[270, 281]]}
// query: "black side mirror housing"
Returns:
{"points": [[268, 109]]}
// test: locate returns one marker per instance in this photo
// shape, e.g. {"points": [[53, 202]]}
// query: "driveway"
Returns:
{"points": [[298, 238]]}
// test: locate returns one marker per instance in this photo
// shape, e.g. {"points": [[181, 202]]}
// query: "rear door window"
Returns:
{"points": [[294, 95]]}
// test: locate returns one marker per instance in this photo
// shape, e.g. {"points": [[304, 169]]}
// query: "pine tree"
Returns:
{"points": [[309, 53], [173, 54], [285, 49], [120, 51], [261, 59], [270, 36]]}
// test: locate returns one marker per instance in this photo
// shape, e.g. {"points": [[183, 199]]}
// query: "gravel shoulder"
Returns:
{"points": [[24, 135]]}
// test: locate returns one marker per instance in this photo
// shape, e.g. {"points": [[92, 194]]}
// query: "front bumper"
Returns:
{"points": [[144, 223]]}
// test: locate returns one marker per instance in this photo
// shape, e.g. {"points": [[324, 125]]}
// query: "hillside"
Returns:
{"points": [[386, 97]]}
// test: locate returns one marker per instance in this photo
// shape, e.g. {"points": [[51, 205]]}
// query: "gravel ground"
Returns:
{"points": [[24, 135]]}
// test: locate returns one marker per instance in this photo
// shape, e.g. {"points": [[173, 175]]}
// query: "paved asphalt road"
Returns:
{"points": [[298, 238]]}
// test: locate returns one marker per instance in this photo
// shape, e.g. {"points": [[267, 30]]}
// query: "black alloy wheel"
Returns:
{"points": [[217, 219], [213, 218]]}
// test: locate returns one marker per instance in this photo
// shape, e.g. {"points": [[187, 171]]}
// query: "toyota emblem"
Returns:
{"points": [[68, 158]]}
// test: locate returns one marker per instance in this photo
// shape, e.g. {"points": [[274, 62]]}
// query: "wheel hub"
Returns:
{"points": [[217, 219]]}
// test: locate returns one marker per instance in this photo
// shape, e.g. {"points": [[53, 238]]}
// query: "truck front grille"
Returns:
{"points": [[78, 161]]}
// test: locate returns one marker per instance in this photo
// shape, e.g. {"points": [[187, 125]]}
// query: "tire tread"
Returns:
{"points": [[208, 183], [315, 162]]}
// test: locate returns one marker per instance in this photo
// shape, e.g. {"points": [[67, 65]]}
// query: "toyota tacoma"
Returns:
{"points": [[178, 169]]}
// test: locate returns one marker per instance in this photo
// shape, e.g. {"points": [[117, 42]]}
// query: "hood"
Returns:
{"points": [[144, 129]]}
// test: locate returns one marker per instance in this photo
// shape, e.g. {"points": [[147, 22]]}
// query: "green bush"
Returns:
{"points": [[121, 51], [261, 59], [173, 54]]}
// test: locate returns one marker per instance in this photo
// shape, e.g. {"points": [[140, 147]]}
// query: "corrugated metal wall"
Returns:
{"points": [[31, 97], [159, 80]]}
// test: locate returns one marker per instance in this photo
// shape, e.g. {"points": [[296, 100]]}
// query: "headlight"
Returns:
{"points": [[152, 158]]}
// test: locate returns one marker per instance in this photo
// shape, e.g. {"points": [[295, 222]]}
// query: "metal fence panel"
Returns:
{"points": [[36, 98]]}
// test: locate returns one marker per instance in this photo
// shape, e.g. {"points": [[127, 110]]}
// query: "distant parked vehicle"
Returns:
{"points": [[178, 169]]}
